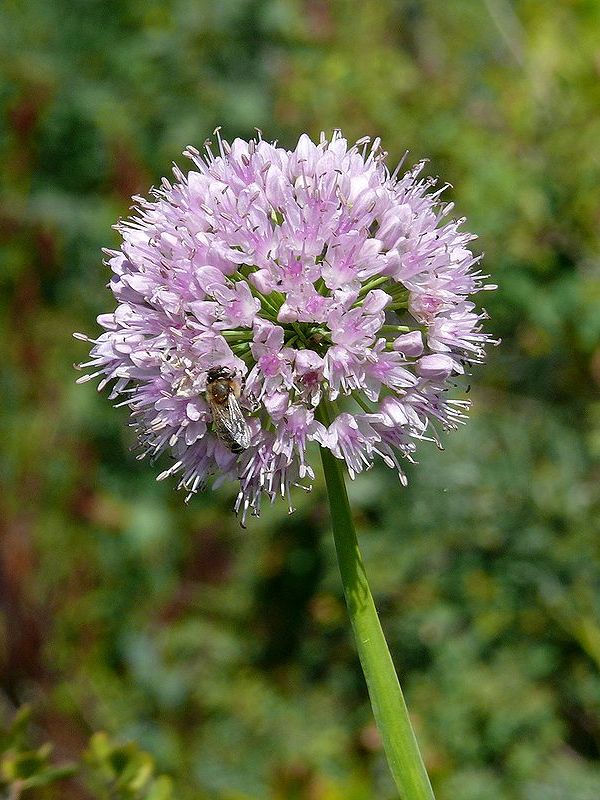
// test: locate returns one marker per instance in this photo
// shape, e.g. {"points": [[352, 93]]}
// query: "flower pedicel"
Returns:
{"points": [[305, 277]]}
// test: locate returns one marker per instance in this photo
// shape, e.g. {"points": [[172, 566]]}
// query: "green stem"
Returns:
{"points": [[356, 396], [372, 284], [387, 701], [237, 336], [269, 309], [394, 329]]}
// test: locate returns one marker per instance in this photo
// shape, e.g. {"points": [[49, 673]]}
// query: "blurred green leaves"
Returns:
{"points": [[112, 771], [23, 768], [123, 772]]}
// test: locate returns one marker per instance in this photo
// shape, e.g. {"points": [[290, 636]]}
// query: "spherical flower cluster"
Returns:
{"points": [[336, 292]]}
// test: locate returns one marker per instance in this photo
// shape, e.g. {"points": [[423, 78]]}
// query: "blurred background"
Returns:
{"points": [[224, 657]]}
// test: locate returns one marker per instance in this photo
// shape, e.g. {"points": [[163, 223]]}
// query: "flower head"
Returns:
{"points": [[311, 277]]}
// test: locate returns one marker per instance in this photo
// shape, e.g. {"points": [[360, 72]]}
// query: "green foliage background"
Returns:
{"points": [[225, 655]]}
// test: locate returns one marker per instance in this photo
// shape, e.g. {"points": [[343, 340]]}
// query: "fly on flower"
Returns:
{"points": [[223, 389], [317, 276]]}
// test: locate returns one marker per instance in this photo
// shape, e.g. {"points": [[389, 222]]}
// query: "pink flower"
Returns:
{"points": [[311, 276]]}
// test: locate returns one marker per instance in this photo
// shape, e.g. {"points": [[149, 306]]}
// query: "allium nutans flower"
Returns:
{"points": [[299, 276]]}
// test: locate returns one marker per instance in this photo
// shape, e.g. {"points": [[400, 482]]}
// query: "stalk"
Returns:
{"points": [[387, 700]]}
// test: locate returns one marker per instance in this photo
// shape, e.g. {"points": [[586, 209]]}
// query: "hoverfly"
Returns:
{"points": [[223, 390]]}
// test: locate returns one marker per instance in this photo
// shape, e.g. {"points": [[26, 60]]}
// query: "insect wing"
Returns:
{"points": [[230, 424]]}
